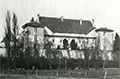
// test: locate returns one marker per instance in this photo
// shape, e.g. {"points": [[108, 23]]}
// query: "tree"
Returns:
{"points": [[36, 51], [11, 33], [86, 54], [7, 38], [73, 45], [48, 48], [95, 54], [49, 52], [15, 30], [116, 46], [65, 43], [21, 42]]}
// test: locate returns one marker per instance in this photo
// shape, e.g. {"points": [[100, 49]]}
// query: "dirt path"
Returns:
{"points": [[16, 76]]}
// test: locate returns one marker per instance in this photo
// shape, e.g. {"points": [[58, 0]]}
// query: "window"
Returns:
{"points": [[53, 40], [60, 40]]}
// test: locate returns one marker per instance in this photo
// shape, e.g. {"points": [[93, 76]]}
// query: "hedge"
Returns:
{"points": [[44, 63]]}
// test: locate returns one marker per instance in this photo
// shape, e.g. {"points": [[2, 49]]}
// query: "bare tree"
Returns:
{"points": [[49, 52], [96, 52], [86, 54]]}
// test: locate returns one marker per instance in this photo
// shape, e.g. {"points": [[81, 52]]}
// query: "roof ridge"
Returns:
{"points": [[75, 19]]}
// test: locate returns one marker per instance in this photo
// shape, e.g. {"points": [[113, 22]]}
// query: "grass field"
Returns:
{"points": [[62, 74]]}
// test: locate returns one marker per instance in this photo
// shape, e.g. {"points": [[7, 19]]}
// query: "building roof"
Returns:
{"points": [[67, 25], [104, 30], [32, 24]]}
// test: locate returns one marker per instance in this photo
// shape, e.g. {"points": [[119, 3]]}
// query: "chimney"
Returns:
{"points": [[80, 21], [32, 19], [38, 18], [93, 22], [61, 18]]}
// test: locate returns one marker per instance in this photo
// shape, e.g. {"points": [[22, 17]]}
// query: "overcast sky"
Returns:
{"points": [[105, 12]]}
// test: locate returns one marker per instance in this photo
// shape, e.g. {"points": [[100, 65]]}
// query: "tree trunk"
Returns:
{"points": [[0, 64], [65, 63], [119, 62], [59, 61]]}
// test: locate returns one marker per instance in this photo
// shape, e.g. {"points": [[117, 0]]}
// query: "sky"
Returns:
{"points": [[106, 13]]}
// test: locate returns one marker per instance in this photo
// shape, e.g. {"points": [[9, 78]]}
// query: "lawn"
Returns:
{"points": [[61, 74]]}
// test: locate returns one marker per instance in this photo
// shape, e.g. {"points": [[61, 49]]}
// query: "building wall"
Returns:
{"points": [[92, 33], [58, 41], [36, 34], [75, 54], [80, 39], [105, 40]]}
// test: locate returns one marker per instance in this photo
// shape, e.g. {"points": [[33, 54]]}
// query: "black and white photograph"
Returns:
{"points": [[59, 39]]}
